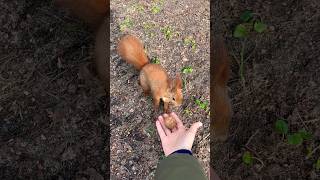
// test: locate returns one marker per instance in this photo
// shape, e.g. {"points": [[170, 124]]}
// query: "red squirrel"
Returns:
{"points": [[222, 111], [153, 78], [95, 14]]}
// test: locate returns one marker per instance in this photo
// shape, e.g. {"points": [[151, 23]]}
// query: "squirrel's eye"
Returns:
{"points": [[173, 99]]}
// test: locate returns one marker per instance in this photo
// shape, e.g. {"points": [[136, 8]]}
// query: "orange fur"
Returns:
{"points": [[131, 49], [222, 111], [154, 79]]}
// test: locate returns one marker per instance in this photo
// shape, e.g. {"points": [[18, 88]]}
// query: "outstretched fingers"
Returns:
{"points": [[194, 128], [161, 132]]}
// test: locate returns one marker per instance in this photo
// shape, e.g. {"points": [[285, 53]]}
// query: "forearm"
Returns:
{"points": [[180, 166]]}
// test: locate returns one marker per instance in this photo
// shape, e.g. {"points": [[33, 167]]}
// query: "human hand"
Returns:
{"points": [[177, 138]]}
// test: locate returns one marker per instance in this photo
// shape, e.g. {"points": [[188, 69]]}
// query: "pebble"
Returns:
{"points": [[43, 137]]}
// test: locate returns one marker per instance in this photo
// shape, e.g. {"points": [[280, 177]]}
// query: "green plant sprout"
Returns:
{"points": [[188, 112], [139, 8], [155, 60], [298, 137], [155, 9], [248, 25], [127, 23], [189, 41], [295, 138], [202, 105], [157, 6], [247, 158], [305, 135], [187, 70], [259, 27], [148, 26], [246, 16], [281, 126], [168, 32]]}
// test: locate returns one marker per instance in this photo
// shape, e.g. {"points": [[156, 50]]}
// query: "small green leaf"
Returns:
{"points": [[187, 70], [240, 31], [305, 135], [155, 9], [155, 60], [246, 16], [202, 105], [188, 112], [318, 164], [127, 23], [295, 139], [190, 41], [259, 27], [281, 126], [198, 102], [247, 158], [168, 32]]}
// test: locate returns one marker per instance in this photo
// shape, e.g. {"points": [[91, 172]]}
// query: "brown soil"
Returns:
{"points": [[53, 120], [282, 81]]}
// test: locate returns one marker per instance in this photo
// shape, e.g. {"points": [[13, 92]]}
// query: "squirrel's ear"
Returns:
{"points": [[178, 81]]}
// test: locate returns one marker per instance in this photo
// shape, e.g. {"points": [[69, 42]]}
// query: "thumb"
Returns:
{"points": [[194, 128]]}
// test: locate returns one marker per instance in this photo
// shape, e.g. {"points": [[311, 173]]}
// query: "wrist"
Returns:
{"points": [[181, 151]]}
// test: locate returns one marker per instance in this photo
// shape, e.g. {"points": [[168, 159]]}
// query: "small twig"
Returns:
{"points": [[254, 134], [241, 68], [262, 164], [304, 124], [235, 58], [310, 121], [206, 137], [52, 95], [251, 52]]}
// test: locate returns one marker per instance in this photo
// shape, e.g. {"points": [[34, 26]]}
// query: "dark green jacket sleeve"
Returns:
{"points": [[180, 167]]}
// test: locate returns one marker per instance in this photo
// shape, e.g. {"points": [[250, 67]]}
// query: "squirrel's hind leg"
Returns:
{"points": [[156, 103], [144, 85]]}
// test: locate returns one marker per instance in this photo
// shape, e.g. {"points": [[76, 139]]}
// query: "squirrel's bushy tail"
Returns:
{"points": [[221, 62], [131, 50], [221, 103]]}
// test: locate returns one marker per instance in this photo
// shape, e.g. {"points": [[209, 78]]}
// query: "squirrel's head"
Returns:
{"points": [[174, 92]]}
